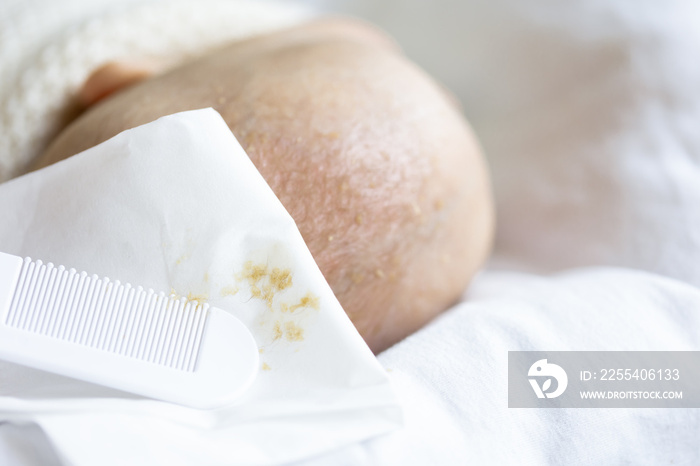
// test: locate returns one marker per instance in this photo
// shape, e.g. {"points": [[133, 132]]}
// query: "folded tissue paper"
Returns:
{"points": [[176, 205]]}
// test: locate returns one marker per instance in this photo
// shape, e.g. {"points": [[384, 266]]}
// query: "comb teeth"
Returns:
{"points": [[107, 315]]}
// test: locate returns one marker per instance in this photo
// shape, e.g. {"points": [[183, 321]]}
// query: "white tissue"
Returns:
{"points": [[177, 205]]}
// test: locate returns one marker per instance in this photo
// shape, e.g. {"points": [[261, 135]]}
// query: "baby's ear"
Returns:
{"points": [[114, 76]]}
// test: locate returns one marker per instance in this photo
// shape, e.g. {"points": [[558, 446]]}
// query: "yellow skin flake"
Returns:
{"points": [[200, 298], [229, 290], [265, 283], [254, 273], [357, 278], [309, 300], [281, 279], [293, 332], [277, 331], [267, 295], [265, 367]]}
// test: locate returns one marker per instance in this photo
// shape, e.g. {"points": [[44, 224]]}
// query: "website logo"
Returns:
{"points": [[544, 371]]}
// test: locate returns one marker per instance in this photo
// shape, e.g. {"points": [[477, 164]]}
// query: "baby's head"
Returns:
{"points": [[371, 158]]}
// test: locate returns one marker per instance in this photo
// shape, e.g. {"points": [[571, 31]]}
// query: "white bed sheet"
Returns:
{"points": [[452, 375], [589, 111]]}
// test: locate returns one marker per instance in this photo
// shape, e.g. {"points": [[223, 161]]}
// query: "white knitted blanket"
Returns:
{"points": [[48, 48]]}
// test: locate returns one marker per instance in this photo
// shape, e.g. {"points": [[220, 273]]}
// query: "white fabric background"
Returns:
{"points": [[589, 112], [452, 375]]}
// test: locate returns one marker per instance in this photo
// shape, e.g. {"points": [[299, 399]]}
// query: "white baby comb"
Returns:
{"points": [[112, 334]]}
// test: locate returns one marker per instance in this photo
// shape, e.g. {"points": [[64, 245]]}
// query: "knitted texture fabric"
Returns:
{"points": [[49, 48]]}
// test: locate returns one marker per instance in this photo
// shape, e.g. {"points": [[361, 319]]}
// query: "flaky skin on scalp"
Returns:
{"points": [[370, 156]]}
